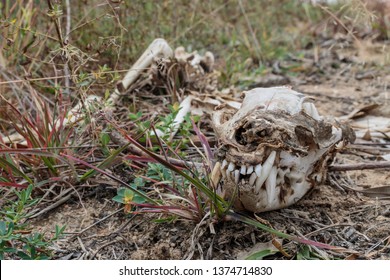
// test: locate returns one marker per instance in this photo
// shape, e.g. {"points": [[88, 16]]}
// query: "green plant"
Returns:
{"points": [[17, 239], [166, 126], [128, 197], [261, 254], [41, 134], [16, 36], [307, 253]]}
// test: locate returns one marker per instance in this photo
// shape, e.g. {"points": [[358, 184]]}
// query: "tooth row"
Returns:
{"points": [[259, 174]]}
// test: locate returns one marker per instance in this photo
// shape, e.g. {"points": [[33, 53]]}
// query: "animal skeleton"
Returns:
{"points": [[273, 148]]}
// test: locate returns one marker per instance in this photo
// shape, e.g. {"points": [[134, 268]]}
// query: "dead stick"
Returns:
{"points": [[54, 205], [360, 166]]}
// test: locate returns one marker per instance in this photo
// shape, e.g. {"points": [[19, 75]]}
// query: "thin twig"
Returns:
{"points": [[360, 166], [118, 139], [82, 246], [101, 220], [67, 32], [255, 41], [54, 205], [118, 231], [101, 247], [63, 41], [57, 25], [326, 228], [332, 15]]}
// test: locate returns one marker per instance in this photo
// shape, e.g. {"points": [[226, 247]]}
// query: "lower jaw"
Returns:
{"points": [[266, 199]]}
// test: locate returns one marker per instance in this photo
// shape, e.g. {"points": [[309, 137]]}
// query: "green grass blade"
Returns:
{"points": [[218, 201], [105, 163], [112, 177]]}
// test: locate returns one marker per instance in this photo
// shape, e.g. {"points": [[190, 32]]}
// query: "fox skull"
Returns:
{"points": [[274, 149]]}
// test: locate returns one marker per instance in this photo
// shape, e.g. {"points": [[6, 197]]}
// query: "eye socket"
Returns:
{"points": [[304, 136], [251, 133]]}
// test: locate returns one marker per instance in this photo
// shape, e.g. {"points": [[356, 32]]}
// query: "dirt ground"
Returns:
{"points": [[342, 76]]}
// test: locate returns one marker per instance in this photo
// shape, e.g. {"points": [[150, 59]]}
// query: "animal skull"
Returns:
{"points": [[274, 149]]}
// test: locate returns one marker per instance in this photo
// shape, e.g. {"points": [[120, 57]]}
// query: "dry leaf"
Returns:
{"points": [[268, 248]]}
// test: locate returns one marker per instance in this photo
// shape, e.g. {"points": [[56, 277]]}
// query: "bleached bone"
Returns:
{"points": [[372, 126], [77, 113], [285, 144], [159, 48]]}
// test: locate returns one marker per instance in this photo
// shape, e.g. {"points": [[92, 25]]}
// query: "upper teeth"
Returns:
{"points": [[270, 184], [231, 166], [236, 176], [258, 174], [258, 170]]}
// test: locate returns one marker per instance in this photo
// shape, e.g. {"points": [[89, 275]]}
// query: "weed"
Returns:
{"points": [[128, 197], [165, 127], [307, 253], [17, 239], [261, 254]]}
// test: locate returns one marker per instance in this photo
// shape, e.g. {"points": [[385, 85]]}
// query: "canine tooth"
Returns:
{"points": [[231, 166], [258, 170], [252, 179], [236, 176], [270, 184], [243, 170], [249, 170], [216, 174], [224, 163], [267, 166], [259, 183]]}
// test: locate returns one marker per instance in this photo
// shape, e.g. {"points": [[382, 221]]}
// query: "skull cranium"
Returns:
{"points": [[274, 149]]}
